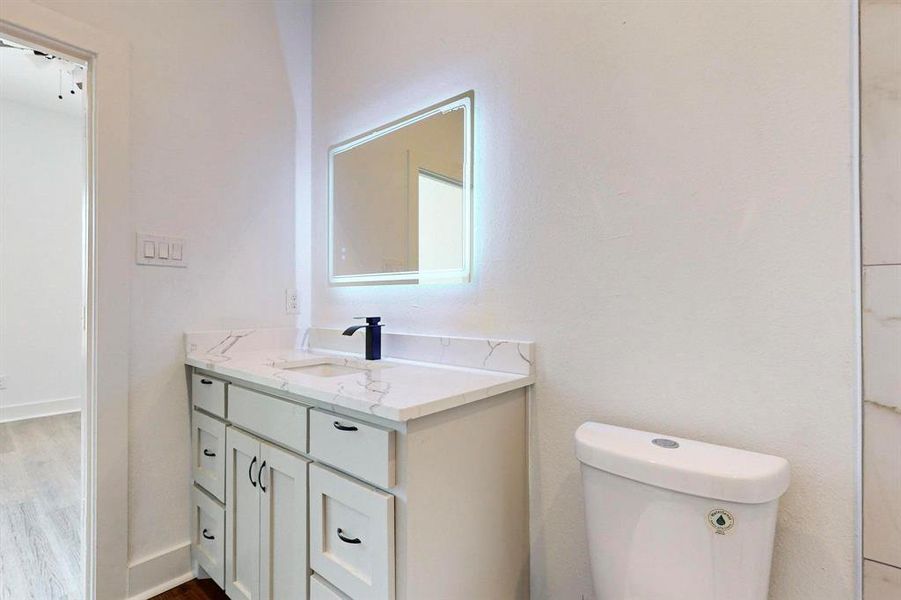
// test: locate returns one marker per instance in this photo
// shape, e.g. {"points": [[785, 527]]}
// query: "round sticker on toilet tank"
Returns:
{"points": [[721, 520]]}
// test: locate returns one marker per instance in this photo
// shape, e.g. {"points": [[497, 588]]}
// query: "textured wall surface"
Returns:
{"points": [[212, 159], [664, 204]]}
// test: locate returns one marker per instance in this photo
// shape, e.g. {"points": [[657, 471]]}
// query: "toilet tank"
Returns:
{"points": [[670, 518]]}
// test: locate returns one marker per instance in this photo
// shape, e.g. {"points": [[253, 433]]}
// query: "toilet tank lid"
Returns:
{"points": [[681, 465]]}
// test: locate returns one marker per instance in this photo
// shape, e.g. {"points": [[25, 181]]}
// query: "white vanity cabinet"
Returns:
{"points": [[266, 520], [208, 474], [304, 499], [351, 534], [320, 589], [242, 519], [208, 535], [208, 454], [208, 394], [366, 451]]}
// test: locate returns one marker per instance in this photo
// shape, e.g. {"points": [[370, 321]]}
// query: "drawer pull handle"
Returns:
{"points": [[206, 381], [206, 535], [348, 540], [250, 471], [341, 427], [208, 453], [260, 476]]}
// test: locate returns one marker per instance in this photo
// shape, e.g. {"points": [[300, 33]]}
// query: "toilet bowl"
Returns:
{"points": [[675, 519]]}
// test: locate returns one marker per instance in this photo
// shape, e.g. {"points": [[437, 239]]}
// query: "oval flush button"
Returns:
{"points": [[665, 443]]}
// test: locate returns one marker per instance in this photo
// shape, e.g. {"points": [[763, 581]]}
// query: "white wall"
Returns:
{"points": [[42, 175], [212, 158], [664, 204], [295, 22]]}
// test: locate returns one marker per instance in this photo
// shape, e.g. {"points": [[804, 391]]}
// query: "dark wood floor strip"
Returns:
{"points": [[196, 589]]}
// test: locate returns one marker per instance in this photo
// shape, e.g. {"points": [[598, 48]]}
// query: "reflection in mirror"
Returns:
{"points": [[400, 200]]}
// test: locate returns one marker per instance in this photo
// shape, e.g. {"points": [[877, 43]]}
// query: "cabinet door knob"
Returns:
{"points": [[260, 476], [250, 471], [207, 535], [208, 453], [346, 539], [341, 427], [206, 381]]}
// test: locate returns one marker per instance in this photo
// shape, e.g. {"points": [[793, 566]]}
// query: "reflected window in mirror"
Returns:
{"points": [[400, 200]]}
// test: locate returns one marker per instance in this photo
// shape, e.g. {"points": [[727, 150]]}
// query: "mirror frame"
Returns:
{"points": [[464, 101]]}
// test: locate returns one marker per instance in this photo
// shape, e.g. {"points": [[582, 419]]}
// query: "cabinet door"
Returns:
{"points": [[320, 589], [284, 567], [242, 518]]}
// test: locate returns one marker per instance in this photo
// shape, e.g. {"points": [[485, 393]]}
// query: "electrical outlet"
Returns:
{"points": [[292, 306]]}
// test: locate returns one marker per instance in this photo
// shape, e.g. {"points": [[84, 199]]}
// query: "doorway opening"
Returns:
{"points": [[43, 334]]}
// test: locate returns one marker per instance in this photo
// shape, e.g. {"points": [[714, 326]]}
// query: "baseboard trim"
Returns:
{"points": [[161, 572], [164, 587], [43, 408]]}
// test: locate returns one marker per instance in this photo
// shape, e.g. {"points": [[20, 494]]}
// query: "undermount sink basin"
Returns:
{"points": [[325, 370], [330, 366]]}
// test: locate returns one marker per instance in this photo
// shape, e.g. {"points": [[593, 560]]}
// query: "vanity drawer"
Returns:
{"points": [[320, 589], [208, 453], [208, 393], [278, 420], [208, 535], [362, 450], [351, 535]]}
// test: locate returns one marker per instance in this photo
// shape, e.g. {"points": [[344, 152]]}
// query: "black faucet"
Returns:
{"points": [[373, 336]]}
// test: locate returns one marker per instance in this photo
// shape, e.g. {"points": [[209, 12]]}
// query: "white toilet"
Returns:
{"points": [[675, 519]]}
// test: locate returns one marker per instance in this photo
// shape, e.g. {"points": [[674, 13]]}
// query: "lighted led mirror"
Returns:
{"points": [[400, 200]]}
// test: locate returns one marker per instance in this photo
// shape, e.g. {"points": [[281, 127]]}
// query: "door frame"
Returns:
{"points": [[107, 266]]}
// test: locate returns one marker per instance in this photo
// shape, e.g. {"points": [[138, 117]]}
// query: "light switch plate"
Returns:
{"points": [[173, 254]]}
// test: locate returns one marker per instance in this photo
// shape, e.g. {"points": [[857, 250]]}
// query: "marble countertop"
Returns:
{"points": [[393, 389]]}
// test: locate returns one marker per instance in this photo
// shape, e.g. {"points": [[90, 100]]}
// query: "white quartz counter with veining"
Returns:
{"points": [[393, 389]]}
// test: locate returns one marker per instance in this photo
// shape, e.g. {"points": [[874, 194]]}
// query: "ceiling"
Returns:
{"points": [[35, 80]]}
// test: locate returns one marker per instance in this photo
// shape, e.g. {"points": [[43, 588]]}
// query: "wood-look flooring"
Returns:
{"points": [[40, 509], [196, 589]]}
